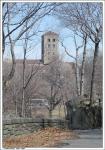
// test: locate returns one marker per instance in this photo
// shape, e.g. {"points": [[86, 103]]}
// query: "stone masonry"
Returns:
{"points": [[49, 47]]}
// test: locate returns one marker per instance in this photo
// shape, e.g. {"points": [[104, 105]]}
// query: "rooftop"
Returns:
{"points": [[29, 61], [50, 33]]}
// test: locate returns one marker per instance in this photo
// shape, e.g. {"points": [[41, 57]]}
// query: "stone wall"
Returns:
{"points": [[29, 125]]}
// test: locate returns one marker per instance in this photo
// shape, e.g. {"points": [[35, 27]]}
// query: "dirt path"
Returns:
{"points": [[88, 139]]}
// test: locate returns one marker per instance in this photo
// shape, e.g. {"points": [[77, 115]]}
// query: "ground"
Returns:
{"points": [[47, 137], [53, 137], [88, 139]]}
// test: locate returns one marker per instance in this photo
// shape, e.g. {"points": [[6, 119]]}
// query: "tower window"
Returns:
{"points": [[48, 40], [48, 45], [53, 40], [53, 45]]}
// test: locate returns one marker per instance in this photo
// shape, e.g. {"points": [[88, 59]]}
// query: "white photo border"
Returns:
{"points": [[67, 1]]}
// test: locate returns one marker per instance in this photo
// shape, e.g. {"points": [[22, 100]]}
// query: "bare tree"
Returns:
{"points": [[14, 18], [85, 17], [77, 67], [53, 90], [93, 28], [33, 72], [76, 59]]}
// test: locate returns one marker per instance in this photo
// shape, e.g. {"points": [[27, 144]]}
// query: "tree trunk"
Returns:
{"points": [[50, 113], [12, 45], [23, 104], [24, 66], [23, 89], [83, 68], [94, 70], [65, 111], [30, 114], [16, 109], [51, 102], [4, 98], [59, 109], [3, 42], [77, 75], [12, 71]]}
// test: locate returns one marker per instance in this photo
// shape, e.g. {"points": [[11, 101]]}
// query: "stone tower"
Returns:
{"points": [[49, 47]]}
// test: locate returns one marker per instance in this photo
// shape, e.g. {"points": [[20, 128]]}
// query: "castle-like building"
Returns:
{"points": [[49, 50], [41, 67], [50, 44]]}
